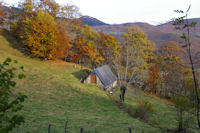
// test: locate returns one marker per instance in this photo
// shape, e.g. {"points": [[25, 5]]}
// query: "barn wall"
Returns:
{"points": [[114, 84], [99, 83], [87, 80]]}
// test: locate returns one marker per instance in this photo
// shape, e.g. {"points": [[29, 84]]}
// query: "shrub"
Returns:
{"points": [[183, 105], [10, 102], [144, 109]]}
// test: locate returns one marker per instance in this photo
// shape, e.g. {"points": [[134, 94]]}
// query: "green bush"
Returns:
{"points": [[10, 102], [183, 105], [144, 109]]}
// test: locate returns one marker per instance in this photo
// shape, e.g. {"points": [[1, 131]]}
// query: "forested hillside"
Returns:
{"points": [[49, 72]]}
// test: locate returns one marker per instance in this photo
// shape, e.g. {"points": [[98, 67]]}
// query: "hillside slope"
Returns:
{"points": [[157, 34], [56, 95]]}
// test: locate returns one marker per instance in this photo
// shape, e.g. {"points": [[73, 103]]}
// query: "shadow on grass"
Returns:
{"points": [[13, 41], [82, 74]]}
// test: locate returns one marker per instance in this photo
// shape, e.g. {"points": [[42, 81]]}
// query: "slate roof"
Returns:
{"points": [[105, 75]]}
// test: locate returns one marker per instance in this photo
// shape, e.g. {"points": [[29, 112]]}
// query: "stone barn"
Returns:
{"points": [[102, 77]]}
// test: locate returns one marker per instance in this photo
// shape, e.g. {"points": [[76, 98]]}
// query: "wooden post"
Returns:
{"points": [[66, 127], [81, 130], [49, 128], [129, 130]]}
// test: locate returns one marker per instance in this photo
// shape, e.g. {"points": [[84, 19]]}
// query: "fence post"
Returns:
{"points": [[81, 130], [66, 127], [129, 130], [49, 128]]}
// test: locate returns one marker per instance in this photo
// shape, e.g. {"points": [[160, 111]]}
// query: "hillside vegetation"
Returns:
{"points": [[55, 95]]}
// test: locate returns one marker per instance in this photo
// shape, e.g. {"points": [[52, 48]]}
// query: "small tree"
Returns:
{"points": [[10, 103], [131, 59], [183, 104], [154, 78]]}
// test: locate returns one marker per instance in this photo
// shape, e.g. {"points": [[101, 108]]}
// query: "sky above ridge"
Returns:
{"points": [[123, 11]]}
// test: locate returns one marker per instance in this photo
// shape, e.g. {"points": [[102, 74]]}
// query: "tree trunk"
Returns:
{"points": [[122, 96], [180, 126], [193, 72]]}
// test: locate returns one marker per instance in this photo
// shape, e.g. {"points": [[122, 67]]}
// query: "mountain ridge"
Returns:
{"points": [[158, 34], [91, 21]]}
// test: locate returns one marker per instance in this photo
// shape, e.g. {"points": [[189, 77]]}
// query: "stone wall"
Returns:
{"points": [[113, 85]]}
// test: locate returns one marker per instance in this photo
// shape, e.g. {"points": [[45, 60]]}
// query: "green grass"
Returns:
{"points": [[56, 95]]}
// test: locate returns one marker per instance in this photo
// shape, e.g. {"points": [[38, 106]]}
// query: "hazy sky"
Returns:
{"points": [[122, 11]]}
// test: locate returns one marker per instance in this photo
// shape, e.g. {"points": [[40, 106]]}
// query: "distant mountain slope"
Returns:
{"points": [[158, 34], [168, 27], [91, 21]]}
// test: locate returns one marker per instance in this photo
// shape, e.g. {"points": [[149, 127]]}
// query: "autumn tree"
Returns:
{"points": [[170, 49], [69, 12], [154, 78], [188, 80], [106, 45], [131, 59], [40, 35], [62, 40], [49, 6], [18, 27], [83, 49], [48, 30], [39, 29], [177, 79], [74, 27], [170, 62]]}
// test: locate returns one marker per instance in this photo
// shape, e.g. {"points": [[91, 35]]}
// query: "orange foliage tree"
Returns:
{"points": [[62, 47], [106, 45], [83, 47], [170, 62], [154, 78], [50, 6], [40, 35]]}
